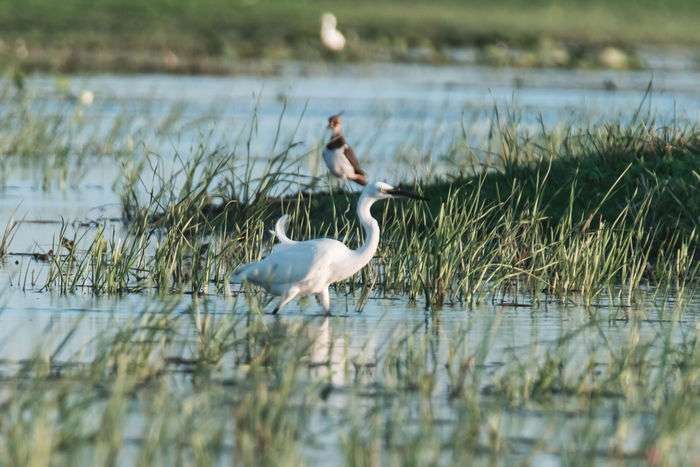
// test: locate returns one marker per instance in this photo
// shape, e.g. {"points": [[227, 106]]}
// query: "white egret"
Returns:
{"points": [[339, 156], [299, 268], [331, 38]]}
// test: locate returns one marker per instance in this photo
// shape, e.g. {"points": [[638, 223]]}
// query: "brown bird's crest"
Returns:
{"points": [[334, 120]]}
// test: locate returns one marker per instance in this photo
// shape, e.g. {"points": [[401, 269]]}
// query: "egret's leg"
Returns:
{"points": [[286, 298], [324, 298]]}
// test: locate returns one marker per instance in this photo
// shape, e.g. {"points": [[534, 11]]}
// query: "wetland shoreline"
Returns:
{"points": [[217, 37]]}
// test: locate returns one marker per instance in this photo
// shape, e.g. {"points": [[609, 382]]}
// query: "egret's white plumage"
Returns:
{"points": [[281, 231], [331, 38], [298, 268]]}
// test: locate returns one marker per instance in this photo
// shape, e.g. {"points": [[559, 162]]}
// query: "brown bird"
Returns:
{"points": [[44, 257], [68, 244], [339, 156]]}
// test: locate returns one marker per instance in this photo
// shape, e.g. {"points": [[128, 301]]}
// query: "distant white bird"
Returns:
{"points": [[299, 268], [87, 97], [339, 156], [331, 38]]}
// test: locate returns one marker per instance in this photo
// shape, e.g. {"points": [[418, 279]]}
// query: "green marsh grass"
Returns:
{"points": [[8, 234], [59, 138], [602, 213], [605, 212], [176, 385]]}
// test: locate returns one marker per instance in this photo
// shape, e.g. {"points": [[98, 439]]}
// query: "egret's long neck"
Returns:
{"points": [[365, 253]]}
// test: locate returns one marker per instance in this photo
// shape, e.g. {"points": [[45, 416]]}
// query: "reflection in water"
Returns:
{"points": [[327, 355], [383, 358], [29, 320]]}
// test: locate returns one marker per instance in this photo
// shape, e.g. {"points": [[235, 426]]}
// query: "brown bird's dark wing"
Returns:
{"points": [[352, 158]]}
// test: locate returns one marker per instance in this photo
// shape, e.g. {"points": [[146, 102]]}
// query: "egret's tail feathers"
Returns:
{"points": [[281, 230]]}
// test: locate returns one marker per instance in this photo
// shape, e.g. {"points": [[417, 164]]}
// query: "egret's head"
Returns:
{"points": [[381, 190], [335, 123], [328, 21]]}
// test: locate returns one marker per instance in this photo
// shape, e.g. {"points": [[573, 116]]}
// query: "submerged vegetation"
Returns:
{"points": [[181, 386]]}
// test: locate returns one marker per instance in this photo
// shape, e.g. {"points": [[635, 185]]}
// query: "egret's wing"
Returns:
{"points": [[291, 264]]}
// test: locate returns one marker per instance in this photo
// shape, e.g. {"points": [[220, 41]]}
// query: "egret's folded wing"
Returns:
{"points": [[293, 263]]}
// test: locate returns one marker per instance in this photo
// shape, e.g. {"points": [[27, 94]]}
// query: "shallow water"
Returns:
{"points": [[29, 313], [387, 107], [350, 347]]}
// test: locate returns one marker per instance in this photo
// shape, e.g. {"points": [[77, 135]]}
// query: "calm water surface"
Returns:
{"points": [[39, 320]]}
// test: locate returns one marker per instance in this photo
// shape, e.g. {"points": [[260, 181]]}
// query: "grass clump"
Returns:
{"points": [[582, 215], [588, 212], [546, 217]]}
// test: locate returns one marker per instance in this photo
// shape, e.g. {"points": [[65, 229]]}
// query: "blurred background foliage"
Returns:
{"points": [[181, 35]]}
